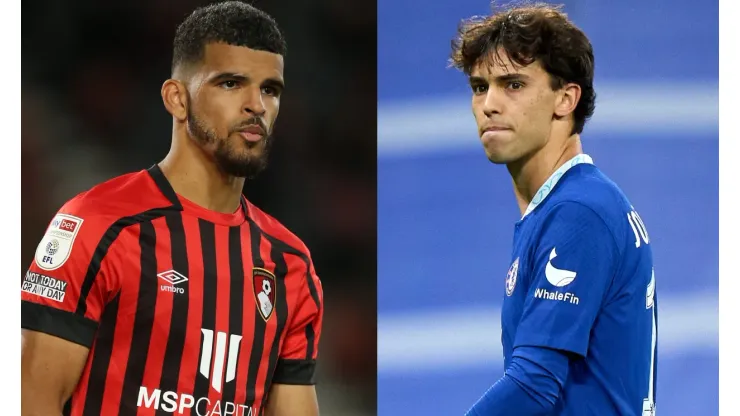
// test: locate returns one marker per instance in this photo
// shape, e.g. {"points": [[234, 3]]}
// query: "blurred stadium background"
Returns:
{"points": [[446, 215], [91, 110]]}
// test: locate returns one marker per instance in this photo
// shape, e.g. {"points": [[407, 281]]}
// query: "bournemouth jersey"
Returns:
{"points": [[185, 310], [581, 281]]}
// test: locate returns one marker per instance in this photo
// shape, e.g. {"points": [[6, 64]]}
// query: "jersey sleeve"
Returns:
{"points": [[67, 286], [297, 361], [574, 262]]}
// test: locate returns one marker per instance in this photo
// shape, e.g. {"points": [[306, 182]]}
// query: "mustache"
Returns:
{"points": [[254, 121]]}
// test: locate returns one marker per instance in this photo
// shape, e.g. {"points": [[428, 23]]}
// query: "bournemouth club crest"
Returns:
{"points": [[511, 277], [264, 291]]}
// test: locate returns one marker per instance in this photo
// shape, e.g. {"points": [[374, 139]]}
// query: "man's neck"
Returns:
{"points": [[194, 176], [530, 173]]}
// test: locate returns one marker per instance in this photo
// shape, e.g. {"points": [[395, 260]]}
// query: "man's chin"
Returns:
{"points": [[247, 166], [244, 160], [498, 158]]}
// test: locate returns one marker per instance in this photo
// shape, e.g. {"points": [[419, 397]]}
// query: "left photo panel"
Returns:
{"points": [[199, 208]]}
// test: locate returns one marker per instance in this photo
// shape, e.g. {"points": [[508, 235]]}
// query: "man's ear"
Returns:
{"points": [[567, 99], [175, 98]]}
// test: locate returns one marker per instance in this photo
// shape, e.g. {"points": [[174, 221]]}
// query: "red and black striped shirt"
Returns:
{"points": [[186, 310]]}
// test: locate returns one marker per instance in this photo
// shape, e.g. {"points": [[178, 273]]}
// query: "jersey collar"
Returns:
{"points": [[550, 183]]}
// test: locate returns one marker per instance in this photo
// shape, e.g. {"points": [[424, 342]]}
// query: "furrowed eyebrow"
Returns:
{"points": [[511, 77], [228, 76], [477, 80], [232, 76]]}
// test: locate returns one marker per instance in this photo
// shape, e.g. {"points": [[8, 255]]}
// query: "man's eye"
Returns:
{"points": [[229, 84], [479, 89], [516, 85]]}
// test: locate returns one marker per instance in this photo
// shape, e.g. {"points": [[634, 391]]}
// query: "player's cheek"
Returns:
{"points": [[272, 110]]}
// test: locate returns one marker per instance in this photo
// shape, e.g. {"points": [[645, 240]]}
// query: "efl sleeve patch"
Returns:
{"points": [[66, 273], [56, 245]]}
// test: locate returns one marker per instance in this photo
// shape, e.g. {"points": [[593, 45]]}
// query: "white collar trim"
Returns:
{"points": [[550, 183]]}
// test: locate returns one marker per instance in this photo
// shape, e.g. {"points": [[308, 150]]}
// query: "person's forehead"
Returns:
{"points": [[495, 65], [222, 56]]}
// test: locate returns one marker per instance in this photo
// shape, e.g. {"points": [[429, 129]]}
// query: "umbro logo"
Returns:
{"points": [[172, 277]]}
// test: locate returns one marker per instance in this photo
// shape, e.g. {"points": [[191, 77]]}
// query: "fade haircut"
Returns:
{"points": [[230, 22], [530, 33]]}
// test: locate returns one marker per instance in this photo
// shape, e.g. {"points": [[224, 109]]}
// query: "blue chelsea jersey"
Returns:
{"points": [[582, 281]]}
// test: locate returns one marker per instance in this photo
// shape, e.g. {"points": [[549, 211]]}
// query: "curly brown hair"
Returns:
{"points": [[528, 33]]}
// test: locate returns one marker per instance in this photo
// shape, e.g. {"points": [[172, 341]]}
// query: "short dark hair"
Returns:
{"points": [[231, 22], [529, 33]]}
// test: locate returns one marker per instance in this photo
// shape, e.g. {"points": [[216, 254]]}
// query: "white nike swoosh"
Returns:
{"points": [[555, 276]]}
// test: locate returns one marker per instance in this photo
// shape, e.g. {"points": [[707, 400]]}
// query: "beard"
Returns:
{"points": [[236, 158]]}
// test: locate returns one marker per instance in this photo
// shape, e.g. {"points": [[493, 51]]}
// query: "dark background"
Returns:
{"points": [[91, 110]]}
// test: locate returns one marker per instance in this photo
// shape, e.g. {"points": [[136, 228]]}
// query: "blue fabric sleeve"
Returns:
{"points": [[530, 387], [575, 260]]}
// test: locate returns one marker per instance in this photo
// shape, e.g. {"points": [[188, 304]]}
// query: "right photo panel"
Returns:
{"points": [[548, 208]]}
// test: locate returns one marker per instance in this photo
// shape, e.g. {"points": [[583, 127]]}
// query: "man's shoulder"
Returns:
{"points": [[276, 230], [591, 190], [590, 204], [123, 196]]}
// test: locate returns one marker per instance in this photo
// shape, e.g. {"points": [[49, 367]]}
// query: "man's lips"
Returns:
{"points": [[252, 133]]}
